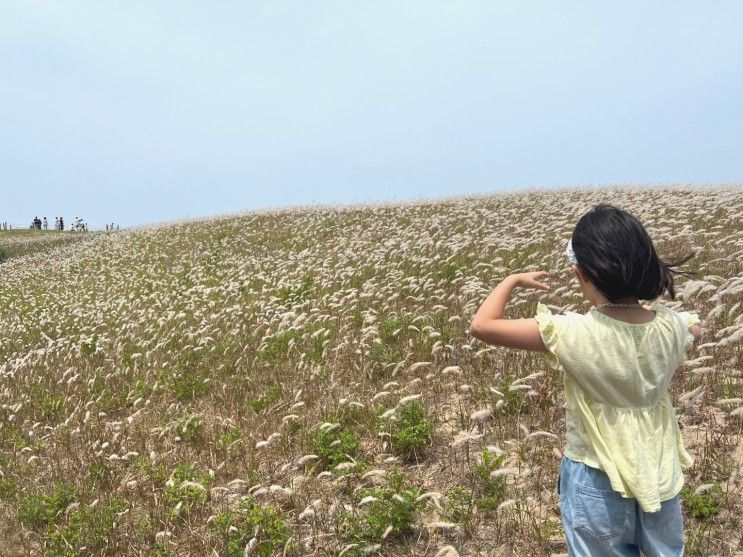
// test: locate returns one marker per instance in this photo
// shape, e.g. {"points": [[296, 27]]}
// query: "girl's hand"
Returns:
{"points": [[529, 280]]}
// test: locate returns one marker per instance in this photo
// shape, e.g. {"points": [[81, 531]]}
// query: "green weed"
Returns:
{"points": [[332, 446], [411, 432], [702, 505], [239, 525], [40, 510], [394, 505], [87, 531]]}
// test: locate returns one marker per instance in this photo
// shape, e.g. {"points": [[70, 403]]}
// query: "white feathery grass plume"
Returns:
{"points": [[447, 551], [347, 548], [404, 400], [725, 401], [535, 434], [465, 437], [374, 473], [417, 365], [275, 488], [480, 416], [704, 487], [434, 496], [250, 546], [510, 471], [190, 484], [381, 394], [528, 377], [387, 414], [440, 525], [507, 503]]}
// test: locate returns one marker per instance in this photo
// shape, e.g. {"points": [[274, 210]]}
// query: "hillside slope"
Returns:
{"points": [[307, 374]]}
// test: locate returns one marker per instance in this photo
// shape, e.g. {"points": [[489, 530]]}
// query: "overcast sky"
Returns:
{"points": [[146, 111]]}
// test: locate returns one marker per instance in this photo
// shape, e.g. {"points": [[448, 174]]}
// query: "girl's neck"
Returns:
{"points": [[598, 300]]}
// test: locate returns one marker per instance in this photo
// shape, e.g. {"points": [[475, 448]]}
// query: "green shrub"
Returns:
{"points": [[383, 355], [493, 489], [49, 405], [702, 505], [277, 346], [239, 525], [450, 270], [89, 346], [230, 436], [271, 396], [187, 385], [189, 427], [513, 399], [412, 431], [190, 494], [394, 506], [38, 511], [100, 472], [7, 489], [293, 294], [333, 446], [459, 504], [87, 531]]}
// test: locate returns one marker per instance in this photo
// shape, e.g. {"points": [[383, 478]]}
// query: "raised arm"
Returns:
{"points": [[489, 326]]}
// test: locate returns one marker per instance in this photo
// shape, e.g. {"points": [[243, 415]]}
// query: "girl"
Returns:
{"points": [[622, 466]]}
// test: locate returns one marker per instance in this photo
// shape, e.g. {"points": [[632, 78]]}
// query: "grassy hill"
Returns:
{"points": [[14, 243], [303, 380]]}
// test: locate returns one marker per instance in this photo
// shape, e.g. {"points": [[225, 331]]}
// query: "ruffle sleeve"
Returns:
{"points": [[549, 329], [690, 318]]}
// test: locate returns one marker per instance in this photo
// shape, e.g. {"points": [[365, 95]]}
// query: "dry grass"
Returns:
{"points": [[164, 389]]}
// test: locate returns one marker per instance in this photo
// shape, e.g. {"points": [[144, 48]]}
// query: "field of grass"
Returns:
{"points": [[14, 243], [302, 382]]}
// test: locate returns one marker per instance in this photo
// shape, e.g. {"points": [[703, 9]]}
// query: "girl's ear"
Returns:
{"points": [[579, 273]]}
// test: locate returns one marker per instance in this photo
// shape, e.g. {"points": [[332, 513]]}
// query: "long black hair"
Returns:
{"points": [[616, 253]]}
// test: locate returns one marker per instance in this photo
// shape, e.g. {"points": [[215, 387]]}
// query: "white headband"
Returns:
{"points": [[570, 253]]}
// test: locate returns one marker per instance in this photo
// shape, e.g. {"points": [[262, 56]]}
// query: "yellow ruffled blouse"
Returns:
{"points": [[618, 413]]}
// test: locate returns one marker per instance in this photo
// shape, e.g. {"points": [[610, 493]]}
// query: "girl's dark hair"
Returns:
{"points": [[616, 253]]}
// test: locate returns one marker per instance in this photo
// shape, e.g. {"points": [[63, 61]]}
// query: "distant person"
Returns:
{"points": [[620, 479], [61, 223], [46, 224]]}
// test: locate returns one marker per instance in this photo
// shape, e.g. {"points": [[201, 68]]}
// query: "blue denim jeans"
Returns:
{"points": [[598, 521]]}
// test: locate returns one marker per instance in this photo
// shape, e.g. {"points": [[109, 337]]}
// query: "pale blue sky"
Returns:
{"points": [[145, 111]]}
